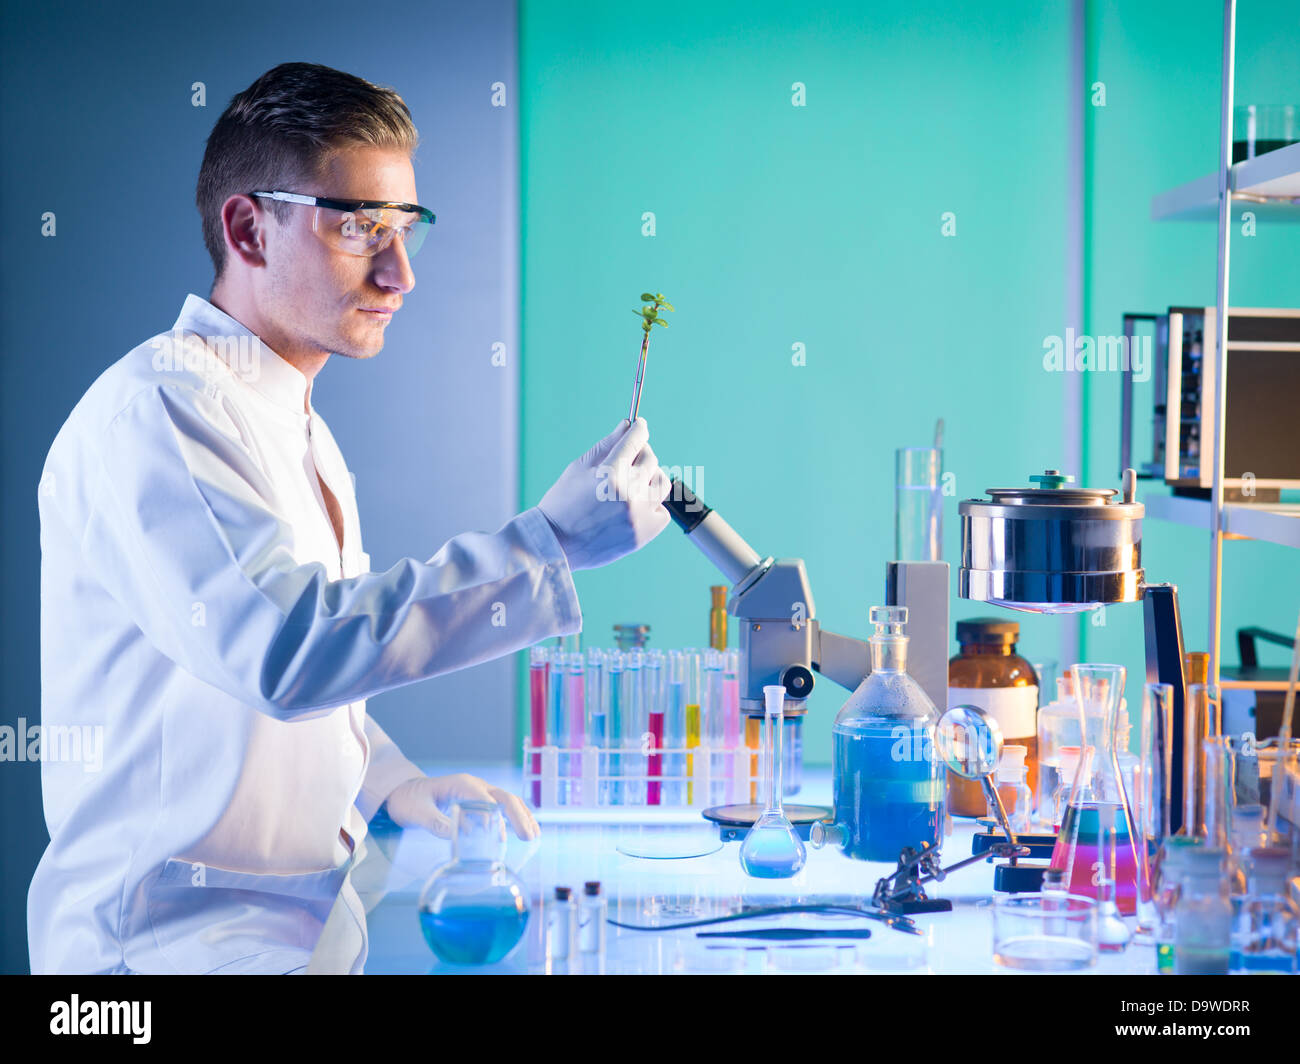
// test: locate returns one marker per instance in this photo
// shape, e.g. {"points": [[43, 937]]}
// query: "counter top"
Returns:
{"points": [[576, 847]]}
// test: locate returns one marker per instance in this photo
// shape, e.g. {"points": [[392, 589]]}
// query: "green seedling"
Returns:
{"points": [[649, 315]]}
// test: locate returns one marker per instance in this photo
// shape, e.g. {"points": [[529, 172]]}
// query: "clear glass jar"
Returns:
{"points": [[1167, 884], [1203, 915], [887, 781], [989, 674], [1266, 933], [473, 910]]}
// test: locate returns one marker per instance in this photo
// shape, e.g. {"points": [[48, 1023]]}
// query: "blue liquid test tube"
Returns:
{"points": [[597, 731], [674, 789], [557, 724], [633, 706]]}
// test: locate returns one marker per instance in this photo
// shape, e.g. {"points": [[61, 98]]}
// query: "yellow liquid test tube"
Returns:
{"points": [[692, 741], [692, 697]]}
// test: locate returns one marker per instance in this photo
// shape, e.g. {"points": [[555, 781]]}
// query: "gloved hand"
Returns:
{"points": [[425, 802], [609, 502]]}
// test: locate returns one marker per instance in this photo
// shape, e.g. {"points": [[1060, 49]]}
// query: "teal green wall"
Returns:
{"points": [[821, 225], [1160, 63]]}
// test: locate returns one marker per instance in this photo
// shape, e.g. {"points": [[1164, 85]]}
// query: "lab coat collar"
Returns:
{"points": [[252, 360]]}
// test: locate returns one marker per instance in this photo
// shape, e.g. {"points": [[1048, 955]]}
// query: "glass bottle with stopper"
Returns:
{"points": [[887, 782]]}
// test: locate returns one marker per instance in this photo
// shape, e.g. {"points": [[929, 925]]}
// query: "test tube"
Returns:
{"points": [[614, 721], [713, 713], [691, 693], [538, 665], [634, 727], [674, 791], [577, 736], [557, 724], [654, 690], [597, 717]]}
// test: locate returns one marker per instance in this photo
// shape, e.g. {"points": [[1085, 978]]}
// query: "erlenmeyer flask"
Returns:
{"points": [[1097, 841], [772, 849]]}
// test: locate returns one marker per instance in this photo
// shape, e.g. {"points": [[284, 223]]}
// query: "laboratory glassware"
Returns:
{"points": [[563, 925], [674, 787], [1012, 789], [655, 698], [575, 701], [1150, 795], [1167, 884], [1047, 932], [718, 616], [557, 721], [1200, 722], [1202, 914], [538, 668], [918, 504], [691, 695], [1264, 934], [772, 849], [614, 664], [635, 724], [989, 674], [713, 724], [473, 909], [1097, 842], [1261, 128], [887, 781], [598, 719], [592, 911]]}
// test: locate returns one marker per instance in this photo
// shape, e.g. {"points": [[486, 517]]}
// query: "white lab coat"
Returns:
{"points": [[197, 611]]}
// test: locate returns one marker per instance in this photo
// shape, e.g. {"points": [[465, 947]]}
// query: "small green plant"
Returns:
{"points": [[650, 312], [649, 315]]}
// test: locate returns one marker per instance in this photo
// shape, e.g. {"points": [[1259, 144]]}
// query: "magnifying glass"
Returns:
{"points": [[970, 743]]}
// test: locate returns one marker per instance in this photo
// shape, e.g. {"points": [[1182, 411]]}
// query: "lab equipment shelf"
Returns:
{"points": [[1275, 175], [1272, 522]]}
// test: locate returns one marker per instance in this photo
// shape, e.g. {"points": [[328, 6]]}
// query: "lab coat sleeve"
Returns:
{"points": [[182, 535], [388, 767]]}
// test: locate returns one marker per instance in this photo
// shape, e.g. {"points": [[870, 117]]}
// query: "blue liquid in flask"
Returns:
{"points": [[888, 790], [772, 851], [473, 934]]}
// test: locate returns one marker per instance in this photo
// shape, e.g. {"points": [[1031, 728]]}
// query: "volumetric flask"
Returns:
{"points": [[1097, 843], [772, 849], [1046, 932]]}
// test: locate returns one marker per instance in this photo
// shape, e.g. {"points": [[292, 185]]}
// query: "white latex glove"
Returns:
{"points": [[425, 802], [609, 502]]}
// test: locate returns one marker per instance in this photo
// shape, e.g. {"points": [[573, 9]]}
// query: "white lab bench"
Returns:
{"points": [[579, 846]]}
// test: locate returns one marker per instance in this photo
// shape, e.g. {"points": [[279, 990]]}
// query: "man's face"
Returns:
{"points": [[315, 298]]}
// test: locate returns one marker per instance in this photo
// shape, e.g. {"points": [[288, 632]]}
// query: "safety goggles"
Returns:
{"points": [[362, 227]]}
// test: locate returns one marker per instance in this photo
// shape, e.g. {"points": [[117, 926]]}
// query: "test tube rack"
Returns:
{"points": [[595, 783]]}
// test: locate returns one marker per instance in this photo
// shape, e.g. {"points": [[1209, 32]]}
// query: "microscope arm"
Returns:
{"points": [[841, 658]]}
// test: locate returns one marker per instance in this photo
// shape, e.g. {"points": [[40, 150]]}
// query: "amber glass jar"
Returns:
{"points": [[989, 674]]}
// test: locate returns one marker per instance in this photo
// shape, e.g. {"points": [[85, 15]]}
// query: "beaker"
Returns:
{"points": [[918, 504], [772, 849], [1097, 841], [473, 909], [1151, 797]]}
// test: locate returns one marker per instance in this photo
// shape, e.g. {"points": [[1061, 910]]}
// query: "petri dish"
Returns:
{"points": [[669, 844]]}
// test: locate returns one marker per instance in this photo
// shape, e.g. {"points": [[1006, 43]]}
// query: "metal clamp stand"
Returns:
{"points": [[904, 891]]}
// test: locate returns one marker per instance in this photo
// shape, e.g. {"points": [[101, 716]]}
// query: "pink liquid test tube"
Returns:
{"points": [[577, 725], [537, 668]]}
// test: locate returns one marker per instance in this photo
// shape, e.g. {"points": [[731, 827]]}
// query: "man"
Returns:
{"points": [[207, 607]]}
